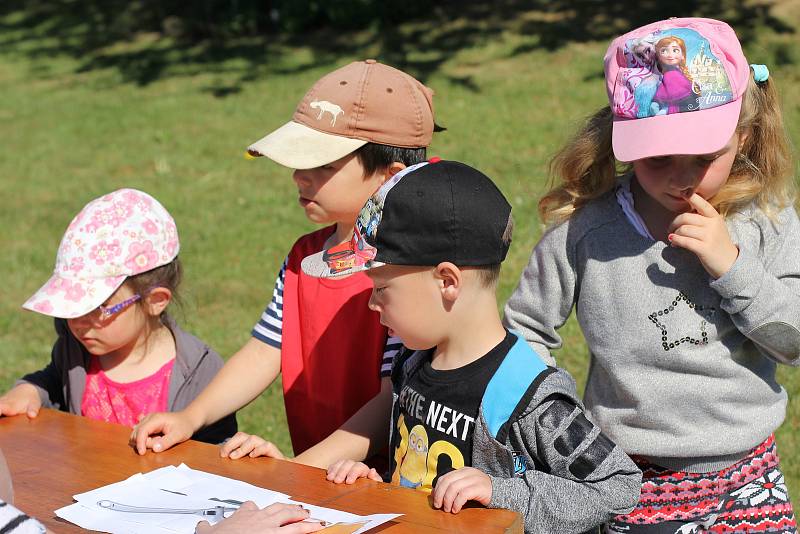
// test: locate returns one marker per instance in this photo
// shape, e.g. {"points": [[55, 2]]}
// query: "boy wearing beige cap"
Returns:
{"points": [[354, 129]]}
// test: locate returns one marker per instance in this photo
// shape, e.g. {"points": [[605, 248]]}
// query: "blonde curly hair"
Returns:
{"points": [[585, 167]]}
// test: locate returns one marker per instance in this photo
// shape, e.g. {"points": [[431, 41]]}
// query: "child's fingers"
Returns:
{"points": [[341, 471], [144, 430], [330, 473], [358, 471], [689, 243], [454, 496], [338, 471], [33, 408], [169, 439], [694, 232], [455, 488], [241, 451], [373, 475], [6, 407], [458, 501], [690, 219], [16, 407], [335, 469], [21, 399], [440, 489], [227, 449], [702, 206], [249, 447], [268, 449]]}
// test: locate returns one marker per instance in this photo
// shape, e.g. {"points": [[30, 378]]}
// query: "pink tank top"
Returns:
{"points": [[124, 403]]}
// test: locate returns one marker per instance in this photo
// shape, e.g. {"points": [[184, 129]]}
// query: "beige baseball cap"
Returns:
{"points": [[363, 102]]}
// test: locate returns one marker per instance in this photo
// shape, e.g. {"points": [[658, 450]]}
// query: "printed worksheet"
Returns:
{"points": [[173, 499]]}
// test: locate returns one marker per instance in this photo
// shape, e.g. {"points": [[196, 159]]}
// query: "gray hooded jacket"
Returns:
{"points": [[545, 458], [61, 384]]}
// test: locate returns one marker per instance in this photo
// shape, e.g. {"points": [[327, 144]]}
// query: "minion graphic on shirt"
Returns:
{"points": [[426, 444], [413, 467]]}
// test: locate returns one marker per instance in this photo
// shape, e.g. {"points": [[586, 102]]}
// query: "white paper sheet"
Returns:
{"points": [[185, 488]]}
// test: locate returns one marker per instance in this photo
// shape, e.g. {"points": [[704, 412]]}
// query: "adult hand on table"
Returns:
{"points": [[277, 518]]}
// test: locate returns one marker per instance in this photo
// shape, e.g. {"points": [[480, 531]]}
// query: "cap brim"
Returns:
{"points": [[692, 132], [342, 264], [67, 298], [297, 146]]}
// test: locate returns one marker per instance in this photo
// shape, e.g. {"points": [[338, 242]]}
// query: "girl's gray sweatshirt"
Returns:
{"points": [[682, 366]]}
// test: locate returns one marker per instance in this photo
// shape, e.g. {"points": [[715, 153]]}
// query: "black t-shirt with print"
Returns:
{"points": [[433, 432]]}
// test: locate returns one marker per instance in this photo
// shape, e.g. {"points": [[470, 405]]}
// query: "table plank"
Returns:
{"points": [[57, 455]]}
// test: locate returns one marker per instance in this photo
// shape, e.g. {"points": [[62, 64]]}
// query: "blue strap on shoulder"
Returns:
{"points": [[512, 379]]}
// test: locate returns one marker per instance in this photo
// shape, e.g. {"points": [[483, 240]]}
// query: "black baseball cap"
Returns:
{"points": [[427, 213]]}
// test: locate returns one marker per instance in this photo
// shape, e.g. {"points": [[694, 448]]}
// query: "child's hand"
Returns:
{"points": [[160, 431], [23, 398], [242, 444], [455, 488], [348, 471], [704, 233]]}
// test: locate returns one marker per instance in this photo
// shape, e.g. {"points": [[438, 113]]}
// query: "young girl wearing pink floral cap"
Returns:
{"points": [[118, 355]]}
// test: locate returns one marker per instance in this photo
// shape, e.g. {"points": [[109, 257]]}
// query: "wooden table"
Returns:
{"points": [[57, 455]]}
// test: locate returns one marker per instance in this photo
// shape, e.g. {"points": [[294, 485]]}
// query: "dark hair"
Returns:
{"points": [[167, 276], [489, 275], [374, 157]]}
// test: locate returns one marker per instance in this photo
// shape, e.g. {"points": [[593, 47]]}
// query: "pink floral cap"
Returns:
{"points": [[675, 87], [118, 235]]}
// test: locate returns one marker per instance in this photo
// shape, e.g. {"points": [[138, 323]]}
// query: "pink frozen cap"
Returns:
{"points": [[675, 87], [120, 234]]}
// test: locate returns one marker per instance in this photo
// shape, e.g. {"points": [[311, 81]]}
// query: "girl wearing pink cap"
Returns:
{"points": [[684, 274], [118, 355]]}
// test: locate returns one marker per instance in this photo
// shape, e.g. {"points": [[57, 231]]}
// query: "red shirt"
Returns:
{"points": [[331, 349]]}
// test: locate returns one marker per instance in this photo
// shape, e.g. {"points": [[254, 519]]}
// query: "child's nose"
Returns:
{"points": [[373, 304], [301, 177], [687, 176], [81, 322]]}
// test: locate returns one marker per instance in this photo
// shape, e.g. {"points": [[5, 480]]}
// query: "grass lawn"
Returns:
{"points": [[174, 121]]}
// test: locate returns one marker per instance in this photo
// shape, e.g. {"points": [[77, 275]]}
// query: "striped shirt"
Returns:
{"points": [[13, 521], [269, 327]]}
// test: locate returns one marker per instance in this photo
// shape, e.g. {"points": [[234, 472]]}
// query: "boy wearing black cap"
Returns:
{"points": [[476, 414]]}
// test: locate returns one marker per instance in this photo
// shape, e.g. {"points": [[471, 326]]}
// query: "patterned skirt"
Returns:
{"points": [[749, 496]]}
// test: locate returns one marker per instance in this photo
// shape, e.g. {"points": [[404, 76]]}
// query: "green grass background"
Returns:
{"points": [[174, 120]]}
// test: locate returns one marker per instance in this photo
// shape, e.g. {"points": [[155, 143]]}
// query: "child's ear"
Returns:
{"points": [[392, 169], [157, 300], [743, 135], [450, 280]]}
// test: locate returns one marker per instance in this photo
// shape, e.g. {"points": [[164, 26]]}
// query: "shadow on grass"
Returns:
{"points": [[113, 35]]}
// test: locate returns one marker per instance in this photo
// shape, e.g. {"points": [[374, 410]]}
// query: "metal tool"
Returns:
{"points": [[215, 511], [232, 502]]}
